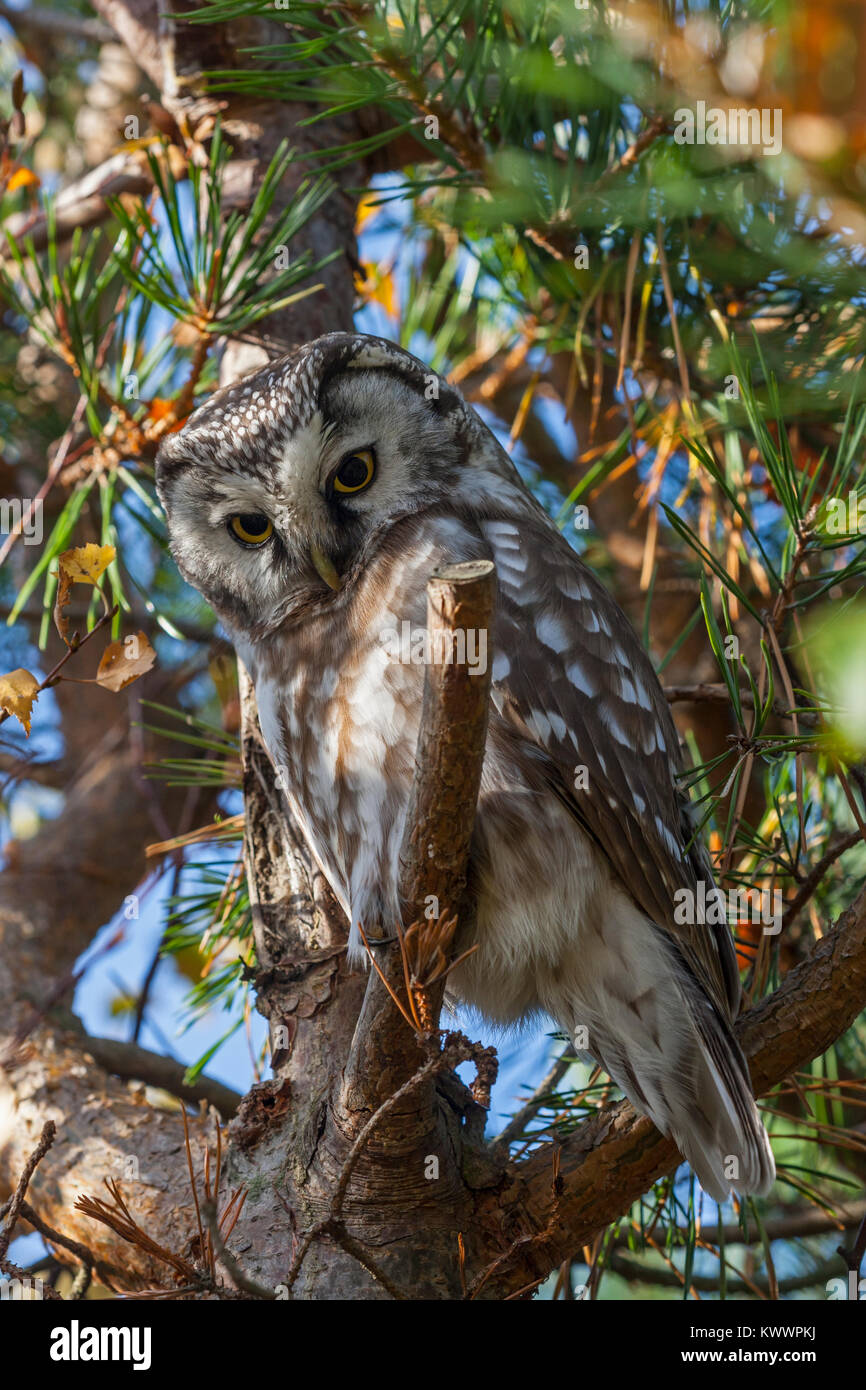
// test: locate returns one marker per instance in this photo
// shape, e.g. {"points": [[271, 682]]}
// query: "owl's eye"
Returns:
{"points": [[355, 472], [251, 528]]}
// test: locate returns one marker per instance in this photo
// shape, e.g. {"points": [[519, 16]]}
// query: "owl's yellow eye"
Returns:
{"points": [[355, 472], [251, 528]]}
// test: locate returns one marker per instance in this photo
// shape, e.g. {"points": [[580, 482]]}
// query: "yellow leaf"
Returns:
{"points": [[18, 690], [377, 287], [368, 208], [85, 564], [123, 662]]}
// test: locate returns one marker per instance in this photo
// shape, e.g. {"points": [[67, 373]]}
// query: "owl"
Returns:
{"points": [[309, 504]]}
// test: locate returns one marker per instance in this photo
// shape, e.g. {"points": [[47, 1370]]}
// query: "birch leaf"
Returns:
{"points": [[123, 662], [18, 691]]}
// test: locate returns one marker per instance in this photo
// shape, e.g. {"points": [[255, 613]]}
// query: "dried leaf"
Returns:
{"points": [[64, 589], [84, 564], [18, 690], [123, 662]]}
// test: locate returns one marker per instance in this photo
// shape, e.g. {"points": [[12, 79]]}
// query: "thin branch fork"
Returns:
{"points": [[439, 825]]}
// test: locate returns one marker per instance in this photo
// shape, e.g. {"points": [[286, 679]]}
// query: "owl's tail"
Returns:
{"points": [[696, 1090], [714, 1120]]}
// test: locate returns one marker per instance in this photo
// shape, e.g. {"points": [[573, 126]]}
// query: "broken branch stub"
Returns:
{"points": [[451, 738], [439, 821]]}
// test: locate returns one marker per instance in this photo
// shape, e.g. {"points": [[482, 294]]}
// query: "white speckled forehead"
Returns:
{"points": [[245, 427]]}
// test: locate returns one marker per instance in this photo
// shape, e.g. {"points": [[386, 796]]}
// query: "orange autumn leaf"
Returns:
{"points": [[368, 208], [124, 661], [22, 178]]}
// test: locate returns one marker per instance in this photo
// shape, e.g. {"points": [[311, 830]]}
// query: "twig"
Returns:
{"points": [[243, 1281], [666, 1278], [719, 694], [16, 1272], [85, 1257], [853, 1257], [46, 1139], [813, 879], [517, 1124], [134, 1063], [75, 646], [439, 824]]}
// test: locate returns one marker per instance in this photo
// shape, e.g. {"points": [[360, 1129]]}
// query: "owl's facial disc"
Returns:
{"points": [[279, 490]]}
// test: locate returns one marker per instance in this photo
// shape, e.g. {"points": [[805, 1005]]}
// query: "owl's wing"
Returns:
{"points": [[570, 675]]}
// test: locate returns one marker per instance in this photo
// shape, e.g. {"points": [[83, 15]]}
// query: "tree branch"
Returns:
{"points": [[81, 204], [636, 1273], [137, 22], [134, 1063], [439, 824], [719, 695], [55, 24]]}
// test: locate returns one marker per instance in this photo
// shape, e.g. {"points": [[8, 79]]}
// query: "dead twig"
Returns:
{"points": [[46, 1139]]}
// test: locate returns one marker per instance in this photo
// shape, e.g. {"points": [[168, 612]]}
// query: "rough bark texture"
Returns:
{"points": [[57, 890]]}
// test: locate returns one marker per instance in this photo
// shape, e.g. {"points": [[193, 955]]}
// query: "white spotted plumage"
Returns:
{"points": [[573, 877]]}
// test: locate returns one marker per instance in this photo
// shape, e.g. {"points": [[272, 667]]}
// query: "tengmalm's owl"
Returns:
{"points": [[309, 504]]}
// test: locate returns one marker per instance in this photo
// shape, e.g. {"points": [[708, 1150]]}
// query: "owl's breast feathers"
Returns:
{"points": [[577, 713]]}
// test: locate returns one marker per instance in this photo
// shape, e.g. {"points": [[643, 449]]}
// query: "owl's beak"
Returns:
{"points": [[324, 566]]}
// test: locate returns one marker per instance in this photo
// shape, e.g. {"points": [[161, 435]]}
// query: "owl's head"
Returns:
{"points": [[279, 486]]}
